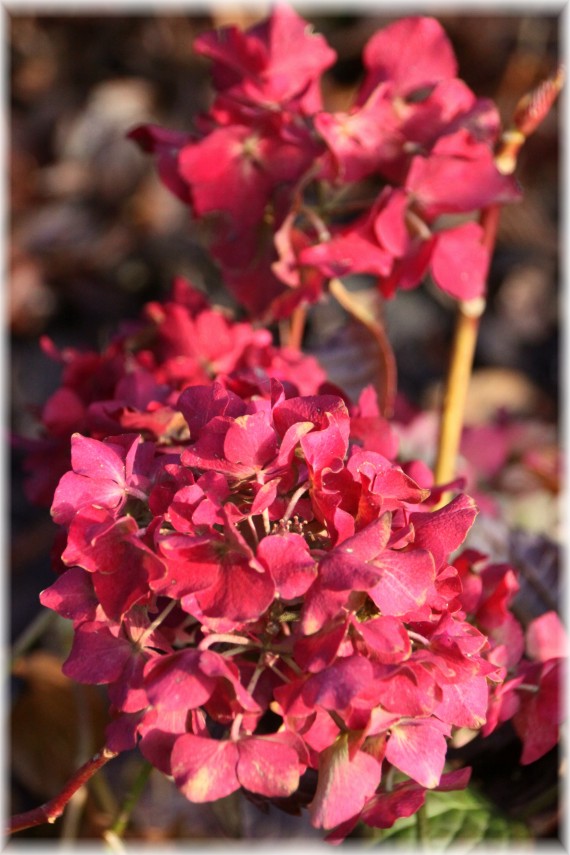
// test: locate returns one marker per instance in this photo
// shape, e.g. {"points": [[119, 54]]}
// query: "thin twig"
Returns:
{"points": [[293, 501], [422, 827], [50, 811], [355, 307], [297, 327], [120, 825], [225, 638]]}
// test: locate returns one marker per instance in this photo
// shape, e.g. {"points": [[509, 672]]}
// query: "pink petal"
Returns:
{"points": [[405, 580], [71, 596], [327, 447], [538, 719], [315, 652], [464, 704], [410, 690], [390, 224], [360, 140], [250, 441], [290, 563], [165, 145], [176, 681], [411, 53], [443, 531], [459, 261], [383, 810], [268, 765], [336, 686], [96, 459], [192, 565], [419, 750], [204, 769], [546, 638], [200, 404], [311, 408], [223, 177], [238, 594], [321, 605], [344, 784], [386, 639], [75, 492], [274, 60], [369, 542], [459, 175], [97, 656], [349, 252]]}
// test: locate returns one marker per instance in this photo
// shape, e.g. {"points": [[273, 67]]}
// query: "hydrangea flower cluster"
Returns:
{"points": [[292, 195], [269, 598], [134, 383], [276, 603]]}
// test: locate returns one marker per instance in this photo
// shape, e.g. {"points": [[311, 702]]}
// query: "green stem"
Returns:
{"points": [[422, 827], [121, 822]]}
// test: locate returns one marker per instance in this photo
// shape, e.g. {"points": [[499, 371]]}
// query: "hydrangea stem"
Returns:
{"points": [[422, 827], [529, 113], [297, 328], [356, 308], [50, 811], [121, 822], [293, 501], [455, 396]]}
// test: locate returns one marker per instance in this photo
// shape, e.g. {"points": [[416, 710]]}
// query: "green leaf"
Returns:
{"points": [[462, 819]]}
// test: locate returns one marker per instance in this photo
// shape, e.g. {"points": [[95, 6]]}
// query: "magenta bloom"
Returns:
{"points": [[275, 602], [271, 597], [268, 148]]}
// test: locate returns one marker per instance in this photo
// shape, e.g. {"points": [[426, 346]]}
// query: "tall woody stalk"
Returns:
{"points": [[529, 113]]}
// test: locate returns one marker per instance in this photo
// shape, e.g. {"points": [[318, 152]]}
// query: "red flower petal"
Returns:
{"points": [[411, 53], [290, 563], [405, 580], [546, 638], [97, 656], [459, 261], [268, 765], [204, 769], [344, 784], [418, 749]]}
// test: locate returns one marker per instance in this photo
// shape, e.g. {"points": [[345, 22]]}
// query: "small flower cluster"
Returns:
{"points": [[134, 383], [292, 195], [269, 598]]}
